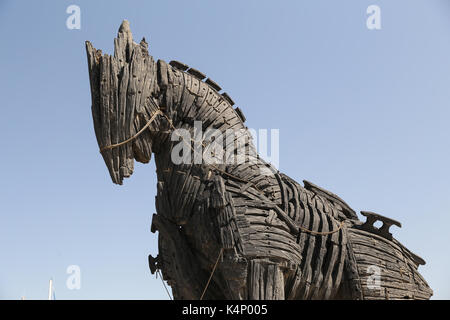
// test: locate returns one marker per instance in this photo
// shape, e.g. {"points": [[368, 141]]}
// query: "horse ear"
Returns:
{"points": [[123, 43], [125, 31]]}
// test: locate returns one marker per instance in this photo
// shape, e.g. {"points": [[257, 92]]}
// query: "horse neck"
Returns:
{"points": [[185, 99]]}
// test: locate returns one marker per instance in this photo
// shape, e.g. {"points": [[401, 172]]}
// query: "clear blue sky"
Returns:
{"points": [[362, 113]]}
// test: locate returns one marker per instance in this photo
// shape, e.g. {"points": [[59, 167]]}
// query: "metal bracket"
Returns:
{"points": [[153, 263]]}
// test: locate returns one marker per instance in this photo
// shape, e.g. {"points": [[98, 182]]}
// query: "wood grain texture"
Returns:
{"points": [[277, 238]]}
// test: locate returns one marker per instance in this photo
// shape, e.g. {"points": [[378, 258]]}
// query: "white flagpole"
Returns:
{"points": [[50, 290]]}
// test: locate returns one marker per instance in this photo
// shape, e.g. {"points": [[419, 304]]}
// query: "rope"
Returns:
{"points": [[135, 136], [323, 233], [212, 273], [157, 272]]}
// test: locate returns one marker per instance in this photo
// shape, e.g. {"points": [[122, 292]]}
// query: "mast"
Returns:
{"points": [[50, 290]]}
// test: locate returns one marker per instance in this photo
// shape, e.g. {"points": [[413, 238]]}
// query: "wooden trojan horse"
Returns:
{"points": [[234, 230]]}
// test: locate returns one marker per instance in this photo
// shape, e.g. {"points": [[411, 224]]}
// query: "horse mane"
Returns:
{"points": [[201, 77]]}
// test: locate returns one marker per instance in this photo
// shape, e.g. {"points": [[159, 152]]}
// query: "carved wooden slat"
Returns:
{"points": [[213, 84]]}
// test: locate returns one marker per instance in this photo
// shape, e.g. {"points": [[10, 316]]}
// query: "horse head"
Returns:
{"points": [[125, 105]]}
